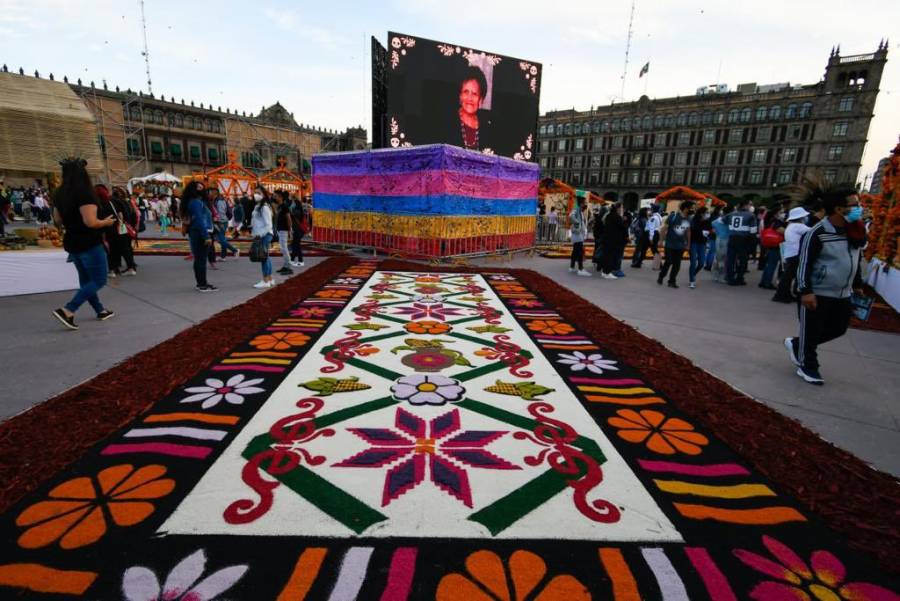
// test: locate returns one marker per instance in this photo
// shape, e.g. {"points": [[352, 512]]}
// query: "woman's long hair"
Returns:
{"points": [[76, 185], [191, 191], [265, 200]]}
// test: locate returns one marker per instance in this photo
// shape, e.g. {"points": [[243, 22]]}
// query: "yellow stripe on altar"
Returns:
{"points": [[732, 491], [428, 226]]}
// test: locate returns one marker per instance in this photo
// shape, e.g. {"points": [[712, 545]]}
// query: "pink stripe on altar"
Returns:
{"points": [[423, 183], [247, 368], [712, 470], [713, 578], [400, 576], [159, 448], [605, 382]]}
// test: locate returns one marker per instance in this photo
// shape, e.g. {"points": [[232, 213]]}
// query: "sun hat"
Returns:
{"points": [[797, 213]]}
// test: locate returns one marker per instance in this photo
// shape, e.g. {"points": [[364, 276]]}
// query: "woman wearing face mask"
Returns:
{"points": [[196, 222], [827, 273], [774, 220], [261, 227]]}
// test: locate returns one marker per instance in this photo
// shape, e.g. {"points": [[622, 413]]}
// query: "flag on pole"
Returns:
{"points": [[644, 69]]}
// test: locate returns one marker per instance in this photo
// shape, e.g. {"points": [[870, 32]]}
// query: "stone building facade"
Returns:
{"points": [[751, 141]]}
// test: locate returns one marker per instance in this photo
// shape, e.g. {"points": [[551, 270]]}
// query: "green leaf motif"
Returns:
{"points": [[490, 329], [325, 386], [365, 326]]}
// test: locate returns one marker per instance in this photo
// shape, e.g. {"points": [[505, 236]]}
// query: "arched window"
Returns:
{"points": [[577, 128], [550, 130], [733, 115], [746, 113], [135, 113], [707, 118], [775, 112], [694, 119], [208, 125], [791, 112], [682, 119], [636, 123], [604, 127], [626, 124], [542, 130], [568, 129], [170, 117], [806, 110], [179, 120], [616, 125], [596, 127], [658, 121], [761, 113], [720, 117], [648, 122], [670, 120]]}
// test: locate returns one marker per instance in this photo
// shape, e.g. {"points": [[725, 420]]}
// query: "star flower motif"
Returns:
{"points": [[347, 281], [419, 445], [528, 303], [183, 583], [311, 312], [594, 363], [233, 391], [434, 311], [501, 277], [427, 390]]}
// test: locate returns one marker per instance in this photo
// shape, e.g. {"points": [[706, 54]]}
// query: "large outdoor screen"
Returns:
{"points": [[450, 94]]}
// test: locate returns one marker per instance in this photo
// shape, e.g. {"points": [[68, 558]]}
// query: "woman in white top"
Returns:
{"points": [[261, 227], [793, 233]]}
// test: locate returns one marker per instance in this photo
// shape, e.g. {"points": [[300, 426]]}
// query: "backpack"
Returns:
{"points": [[637, 229]]}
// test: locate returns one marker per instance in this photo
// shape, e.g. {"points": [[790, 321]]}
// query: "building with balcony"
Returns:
{"points": [[750, 141]]}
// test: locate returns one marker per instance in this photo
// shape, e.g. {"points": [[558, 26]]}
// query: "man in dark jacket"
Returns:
{"points": [[827, 274], [742, 230], [614, 237]]}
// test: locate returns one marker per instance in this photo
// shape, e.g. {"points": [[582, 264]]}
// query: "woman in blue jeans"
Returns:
{"points": [[261, 227], [700, 230], [197, 220], [75, 207]]}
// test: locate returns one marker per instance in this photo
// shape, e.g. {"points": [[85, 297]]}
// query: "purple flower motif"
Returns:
{"points": [[232, 391], [594, 363], [428, 311], [183, 582], [421, 447]]}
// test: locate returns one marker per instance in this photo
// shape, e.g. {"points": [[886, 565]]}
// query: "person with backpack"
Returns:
{"points": [[641, 239], [300, 226], [677, 235]]}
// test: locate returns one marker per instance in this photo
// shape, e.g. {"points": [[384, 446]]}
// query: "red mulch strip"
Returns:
{"points": [[850, 497], [883, 317], [44, 440]]}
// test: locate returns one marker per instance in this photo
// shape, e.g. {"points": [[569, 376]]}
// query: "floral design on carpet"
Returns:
{"points": [[427, 390], [419, 443], [233, 391], [184, 583]]}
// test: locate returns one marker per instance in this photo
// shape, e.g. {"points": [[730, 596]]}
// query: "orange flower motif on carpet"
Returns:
{"points": [[333, 293], [662, 435], [550, 326], [427, 326], [77, 510], [509, 288], [428, 279], [279, 341], [489, 580], [366, 349], [488, 353]]}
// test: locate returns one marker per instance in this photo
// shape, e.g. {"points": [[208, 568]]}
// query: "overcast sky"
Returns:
{"points": [[313, 57]]}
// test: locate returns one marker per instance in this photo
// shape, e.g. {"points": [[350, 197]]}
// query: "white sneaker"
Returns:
{"points": [[692, 285], [131, 272], [300, 264], [582, 272], [571, 270], [294, 264], [261, 284], [271, 284]]}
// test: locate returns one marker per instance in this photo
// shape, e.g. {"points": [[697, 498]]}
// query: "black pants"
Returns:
{"points": [[737, 256], [577, 255], [120, 248], [640, 249], [786, 281], [610, 259], [198, 251], [672, 259], [827, 322], [211, 249], [654, 244], [297, 246]]}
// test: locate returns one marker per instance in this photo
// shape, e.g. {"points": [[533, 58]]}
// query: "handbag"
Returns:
{"points": [[258, 251], [770, 238]]}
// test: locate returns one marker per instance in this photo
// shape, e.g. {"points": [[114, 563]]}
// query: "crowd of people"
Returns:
{"points": [[31, 204], [102, 226], [807, 254]]}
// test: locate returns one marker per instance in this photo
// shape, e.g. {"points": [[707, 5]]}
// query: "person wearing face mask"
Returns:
{"points": [[677, 236], [578, 229], [793, 233], [827, 273], [774, 222]]}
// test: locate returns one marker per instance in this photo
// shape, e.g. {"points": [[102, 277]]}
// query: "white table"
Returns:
{"points": [[35, 271], [885, 283]]}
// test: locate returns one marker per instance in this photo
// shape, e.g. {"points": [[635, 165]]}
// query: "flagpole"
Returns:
{"points": [[646, 81]]}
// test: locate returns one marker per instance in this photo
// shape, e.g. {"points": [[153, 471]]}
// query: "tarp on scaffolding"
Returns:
{"points": [[432, 201], [42, 121]]}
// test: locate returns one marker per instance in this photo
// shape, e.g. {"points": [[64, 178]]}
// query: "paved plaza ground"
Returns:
{"points": [[733, 333]]}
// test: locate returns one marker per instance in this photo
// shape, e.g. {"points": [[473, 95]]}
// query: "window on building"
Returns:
{"points": [[604, 127], [598, 143], [775, 112], [735, 135], [596, 161], [830, 175], [579, 144], [761, 113], [648, 122], [657, 158], [806, 110], [595, 178], [637, 140], [733, 116], [731, 157], [763, 134], [702, 176], [791, 112], [694, 119], [784, 176], [788, 155], [707, 118], [576, 179], [545, 145], [544, 162], [709, 136], [835, 152], [839, 130], [759, 155], [655, 177], [596, 128], [795, 132], [682, 119], [658, 121], [756, 176], [179, 120], [568, 129], [705, 157], [684, 138], [728, 176], [659, 139], [746, 113], [560, 161], [615, 160], [616, 125], [670, 120], [577, 162], [846, 104], [635, 177], [542, 130], [626, 124], [720, 117], [577, 129], [636, 123], [618, 141], [681, 158], [678, 176], [614, 177]]}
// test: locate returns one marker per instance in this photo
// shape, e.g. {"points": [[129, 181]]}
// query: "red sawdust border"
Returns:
{"points": [[45, 439], [859, 502]]}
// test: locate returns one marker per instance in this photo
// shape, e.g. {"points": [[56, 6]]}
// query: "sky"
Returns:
{"points": [[315, 57]]}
